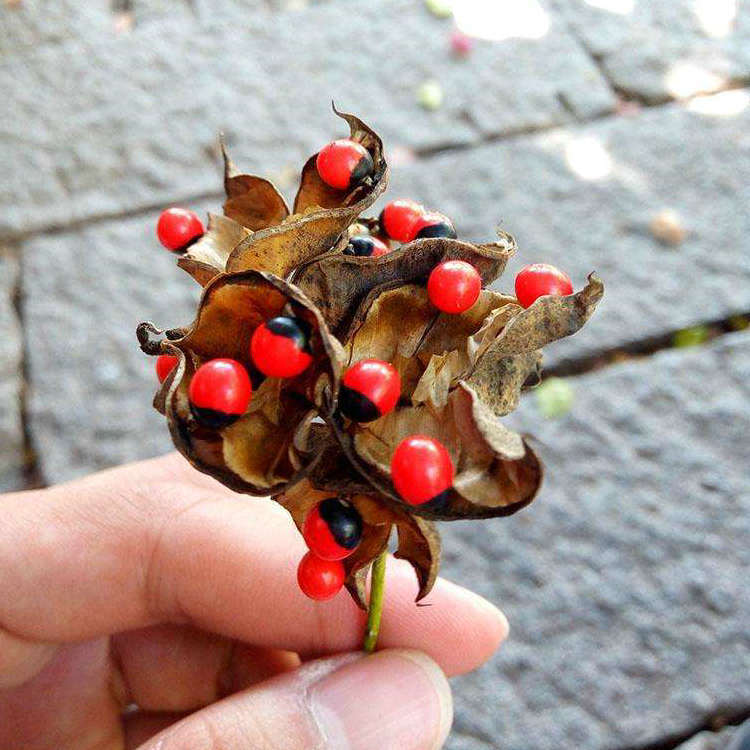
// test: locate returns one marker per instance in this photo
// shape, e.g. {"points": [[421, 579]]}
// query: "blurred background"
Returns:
{"points": [[607, 135]]}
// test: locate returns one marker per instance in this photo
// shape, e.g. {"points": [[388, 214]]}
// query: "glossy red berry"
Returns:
{"points": [[280, 347], [343, 164], [421, 469], [369, 389], [364, 246], [332, 529], [454, 286], [320, 579], [433, 224], [165, 363], [398, 218], [178, 228], [219, 392], [540, 279]]}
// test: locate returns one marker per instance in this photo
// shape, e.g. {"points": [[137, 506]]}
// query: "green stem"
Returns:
{"points": [[375, 610]]}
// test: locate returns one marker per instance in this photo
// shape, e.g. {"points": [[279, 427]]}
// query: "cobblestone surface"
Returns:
{"points": [[664, 49], [666, 158], [35, 23], [625, 582], [11, 430], [714, 740], [98, 126], [90, 400]]}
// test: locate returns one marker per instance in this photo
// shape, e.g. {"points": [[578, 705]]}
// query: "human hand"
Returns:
{"points": [[152, 585]]}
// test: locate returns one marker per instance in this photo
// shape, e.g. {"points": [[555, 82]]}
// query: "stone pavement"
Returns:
{"points": [[622, 583]]}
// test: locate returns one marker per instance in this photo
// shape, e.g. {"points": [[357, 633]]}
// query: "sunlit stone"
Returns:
{"points": [[588, 158], [501, 19]]}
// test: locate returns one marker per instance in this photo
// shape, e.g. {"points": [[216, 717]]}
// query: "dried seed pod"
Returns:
{"points": [[459, 373]]}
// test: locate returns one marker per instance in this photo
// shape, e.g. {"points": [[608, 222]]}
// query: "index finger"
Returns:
{"points": [[127, 548]]}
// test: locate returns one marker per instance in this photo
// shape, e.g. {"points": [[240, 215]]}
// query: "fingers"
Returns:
{"points": [[126, 549], [393, 699], [178, 668]]}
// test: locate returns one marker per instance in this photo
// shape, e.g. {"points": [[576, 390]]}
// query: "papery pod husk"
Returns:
{"points": [[252, 455], [509, 358], [497, 472], [425, 336], [252, 201], [207, 257], [321, 215], [418, 540], [342, 286], [458, 401]]}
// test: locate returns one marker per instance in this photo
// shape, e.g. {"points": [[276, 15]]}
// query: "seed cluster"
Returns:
{"points": [[267, 356]]}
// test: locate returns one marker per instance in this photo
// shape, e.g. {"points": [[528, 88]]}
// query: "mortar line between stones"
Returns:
{"points": [[712, 723], [422, 154], [713, 329], [32, 474]]}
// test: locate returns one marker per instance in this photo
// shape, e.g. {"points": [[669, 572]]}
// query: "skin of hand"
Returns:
{"points": [[149, 607]]}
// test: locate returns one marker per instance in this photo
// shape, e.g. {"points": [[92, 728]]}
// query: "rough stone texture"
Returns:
{"points": [[715, 740], [11, 432], [100, 125], [90, 400], [35, 23], [668, 157], [650, 51], [625, 583]]}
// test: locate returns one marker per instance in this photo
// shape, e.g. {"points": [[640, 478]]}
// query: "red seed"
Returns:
{"points": [[165, 363], [219, 392], [369, 389], [538, 280], [433, 224], [398, 218], [279, 348], [421, 469], [320, 579], [343, 164], [332, 529], [178, 227], [454, 286]]}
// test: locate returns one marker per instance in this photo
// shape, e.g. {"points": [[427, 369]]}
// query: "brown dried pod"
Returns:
{"points": [[459, 373], [252, 454], [321, 214]]}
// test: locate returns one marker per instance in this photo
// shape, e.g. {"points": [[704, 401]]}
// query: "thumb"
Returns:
{"points": [[395, 698]]}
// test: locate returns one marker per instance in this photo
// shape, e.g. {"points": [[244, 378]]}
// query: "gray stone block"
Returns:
{"points": [[625, 582], [663, 49], [713, 740], [665, 158], [11, 430], [34, 23], [98, 126], [90, 398]]}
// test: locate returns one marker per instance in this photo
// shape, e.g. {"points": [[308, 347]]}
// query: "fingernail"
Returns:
{"points": [[394, 699]]}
